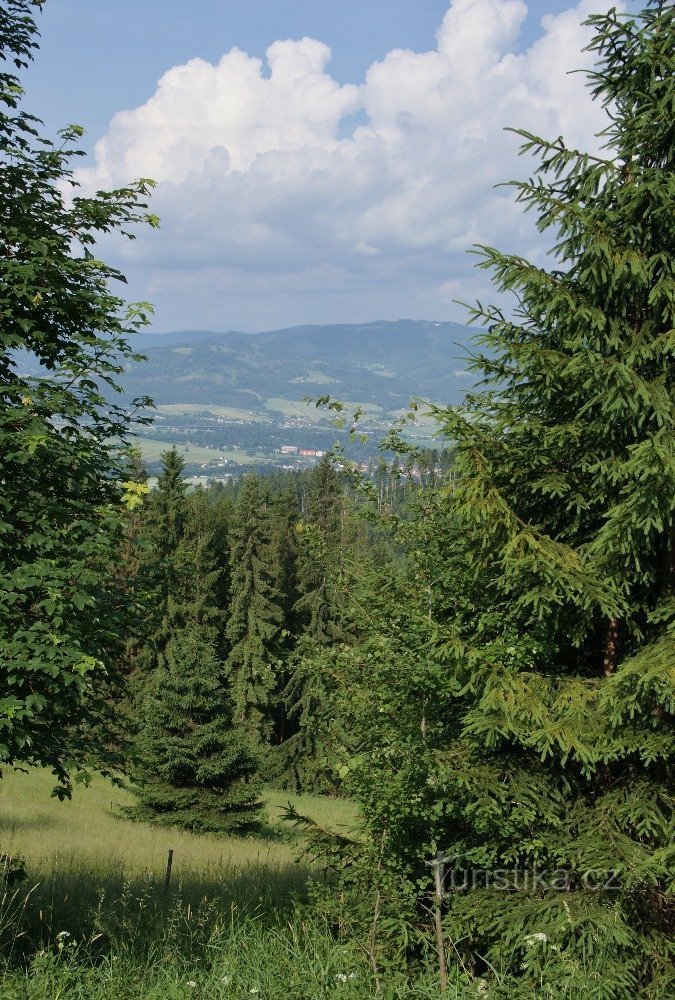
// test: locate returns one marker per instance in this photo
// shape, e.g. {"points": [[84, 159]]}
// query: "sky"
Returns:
{"points": [[317, 161]]}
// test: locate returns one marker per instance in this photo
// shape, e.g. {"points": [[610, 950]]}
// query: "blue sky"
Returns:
{"points": [[301, 185], [99, 56]]}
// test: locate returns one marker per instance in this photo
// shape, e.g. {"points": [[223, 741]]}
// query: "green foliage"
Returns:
{"points": [[324, 535], [61, 502], [256, 618], [199, 771], [511, 701]]}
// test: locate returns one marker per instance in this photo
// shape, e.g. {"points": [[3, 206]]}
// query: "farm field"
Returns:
{"points": [[302, 409], [226, 412], [152, 449]]}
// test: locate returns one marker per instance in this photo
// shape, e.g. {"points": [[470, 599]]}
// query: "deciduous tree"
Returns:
{"points": [[61, 493]]}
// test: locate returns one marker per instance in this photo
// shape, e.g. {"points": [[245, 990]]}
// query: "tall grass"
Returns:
{"points": [[98, 933]]}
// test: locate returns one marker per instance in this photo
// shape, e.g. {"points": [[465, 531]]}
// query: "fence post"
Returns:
{"points": [[167, 875]]}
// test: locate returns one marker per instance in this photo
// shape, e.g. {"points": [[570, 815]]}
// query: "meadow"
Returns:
{"points": [[226, 412], [93, 919]]}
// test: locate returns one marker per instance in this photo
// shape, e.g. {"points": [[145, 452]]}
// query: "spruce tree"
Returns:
{"points": [[284, 512], [322, 531], [198, 769], [535, 731], [324, 534], [163, 531], [256, 618], [134, 566]]}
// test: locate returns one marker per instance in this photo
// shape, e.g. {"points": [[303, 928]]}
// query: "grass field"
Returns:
{"points": [[49, 833], [301, 409], [226, 412], [297, 408], [152, 450], [93, 919]]}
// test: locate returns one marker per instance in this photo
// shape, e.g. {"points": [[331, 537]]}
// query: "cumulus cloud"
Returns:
{"points": [[274, 210]]}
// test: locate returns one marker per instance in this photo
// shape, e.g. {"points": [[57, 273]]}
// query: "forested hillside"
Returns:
{"points": [[381, 363]]}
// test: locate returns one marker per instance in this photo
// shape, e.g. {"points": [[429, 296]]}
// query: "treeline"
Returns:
{"points": [[236, 591]]}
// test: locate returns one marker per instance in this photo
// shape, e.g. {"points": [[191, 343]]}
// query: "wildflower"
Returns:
{"points": [[341, 977], [538, 936], [224, 980], [352, 975], [191, 983], [62, 934], [254, 989]]}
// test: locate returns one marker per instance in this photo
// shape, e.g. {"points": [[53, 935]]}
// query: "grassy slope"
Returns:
{"points": [[226, 412], [89, 829], [152, 450]]}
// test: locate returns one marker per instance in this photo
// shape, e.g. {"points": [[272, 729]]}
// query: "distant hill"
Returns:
{"points": [[381, 363]]}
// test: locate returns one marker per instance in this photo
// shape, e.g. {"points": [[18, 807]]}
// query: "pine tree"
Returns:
{"points": [[535, 730], [256, 618], [284, 512], [168, 518], [133, 570], [163, 531]]}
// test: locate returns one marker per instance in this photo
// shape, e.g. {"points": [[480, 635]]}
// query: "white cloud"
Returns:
{"points": [[273, 212]]}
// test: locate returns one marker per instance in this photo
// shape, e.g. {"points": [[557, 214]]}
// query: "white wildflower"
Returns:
{"points": [[538, 936], [61, 939], [191, 984], [254, 989], [352, 975], [341, 977], [225, 980]]}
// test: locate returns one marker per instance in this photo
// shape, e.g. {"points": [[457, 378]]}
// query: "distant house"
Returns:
{"points": [[307, 453], [289, 449]]}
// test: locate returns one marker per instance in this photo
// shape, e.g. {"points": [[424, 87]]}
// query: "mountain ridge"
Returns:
{"points": [[383, 363]]}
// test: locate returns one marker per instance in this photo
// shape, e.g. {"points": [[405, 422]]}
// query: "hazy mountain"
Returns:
{"points": [[383, 363]]}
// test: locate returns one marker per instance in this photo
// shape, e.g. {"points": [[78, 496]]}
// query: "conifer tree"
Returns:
{"points": [[198, 769], [163, 532], [168, 518], [284, 512], [256, 618], [134, 565], [536, 730], [323, 533]]}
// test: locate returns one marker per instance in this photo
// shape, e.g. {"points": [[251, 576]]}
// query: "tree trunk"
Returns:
{"points": [[611, 647]]}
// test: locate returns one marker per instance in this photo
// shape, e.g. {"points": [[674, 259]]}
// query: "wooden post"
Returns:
{"points": [[167, 875], [438, 866]]}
